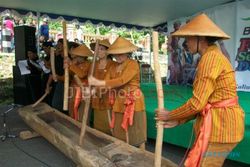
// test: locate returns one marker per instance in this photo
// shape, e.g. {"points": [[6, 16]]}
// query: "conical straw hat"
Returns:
{"points": [[201, 25], [104, 42], [81, 50], [120, 46]]}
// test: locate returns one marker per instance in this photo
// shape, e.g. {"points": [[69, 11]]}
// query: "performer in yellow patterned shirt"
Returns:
{"points": [[219, 118]]}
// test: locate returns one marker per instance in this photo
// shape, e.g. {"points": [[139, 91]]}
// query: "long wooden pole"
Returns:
{"points": [[160, 97], [40, 99], [109, 119], [87, 100], [52, 63], [78, 81], [66, 70]]}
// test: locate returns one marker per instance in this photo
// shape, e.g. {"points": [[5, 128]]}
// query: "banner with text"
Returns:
{"points": [[243, 46]]}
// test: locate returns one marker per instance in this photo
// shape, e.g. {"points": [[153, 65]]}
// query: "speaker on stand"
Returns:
{"points": [[25, 40]]}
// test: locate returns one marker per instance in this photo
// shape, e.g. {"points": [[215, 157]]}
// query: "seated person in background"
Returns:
{"points": [[32, 61], [34, 78]]}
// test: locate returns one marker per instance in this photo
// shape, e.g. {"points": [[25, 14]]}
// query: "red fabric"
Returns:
{"points": [[78, 98], [128, 115], [112, 98], [200, 146], [112, 123], [112, 102], [129, 111], [85, 83]]}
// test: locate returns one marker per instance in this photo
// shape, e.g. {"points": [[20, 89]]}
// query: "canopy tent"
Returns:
{"points": [[129, 13], [137, 14]]}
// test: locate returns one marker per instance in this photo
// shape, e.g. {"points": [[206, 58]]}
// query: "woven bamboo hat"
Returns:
{"points": [[104, 42], [201, 25], [120, 46], [81, 50]]}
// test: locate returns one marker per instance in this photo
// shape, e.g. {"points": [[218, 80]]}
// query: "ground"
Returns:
{"points": [[38, 152]]}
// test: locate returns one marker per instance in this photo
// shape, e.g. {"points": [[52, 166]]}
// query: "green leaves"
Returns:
{"points": [[246, 19]]}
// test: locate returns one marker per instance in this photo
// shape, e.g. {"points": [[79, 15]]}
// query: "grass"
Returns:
{"points": [[6, 91], [6, 78]]}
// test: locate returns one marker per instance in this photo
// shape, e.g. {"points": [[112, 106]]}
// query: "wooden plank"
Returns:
{"points": [[25, 135]]}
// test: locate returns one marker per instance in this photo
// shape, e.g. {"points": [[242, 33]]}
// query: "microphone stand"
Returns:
{"points": [[5, 133]]}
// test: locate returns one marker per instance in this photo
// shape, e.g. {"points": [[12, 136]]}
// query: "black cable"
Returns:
{"points": [[187, 150], [25, 152], [20, 149]]}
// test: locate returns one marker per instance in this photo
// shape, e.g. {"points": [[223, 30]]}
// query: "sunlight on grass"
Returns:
{"points": [[6, 78]]}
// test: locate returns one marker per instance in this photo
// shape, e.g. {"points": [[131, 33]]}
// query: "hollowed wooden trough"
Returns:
{"points": [[98, 148]]}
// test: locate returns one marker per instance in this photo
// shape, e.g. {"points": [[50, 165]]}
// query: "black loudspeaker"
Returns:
{"points": [[25, 39], [27, 88], [21, 92]]}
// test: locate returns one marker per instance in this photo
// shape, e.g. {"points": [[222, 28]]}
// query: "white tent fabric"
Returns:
{"points": [[131, 13]]}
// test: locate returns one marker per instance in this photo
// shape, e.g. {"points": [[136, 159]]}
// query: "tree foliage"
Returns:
{"points": [[55, 25]]}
